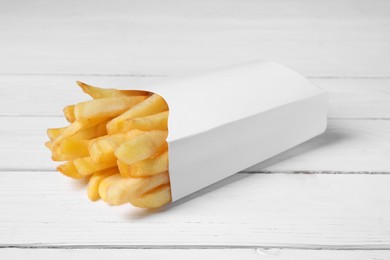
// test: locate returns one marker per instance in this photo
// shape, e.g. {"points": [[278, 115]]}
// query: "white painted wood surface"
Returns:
{"points": [[342, 204], [318, 38], [227, 254], [270, 210], [349, 98], [348, 145]]}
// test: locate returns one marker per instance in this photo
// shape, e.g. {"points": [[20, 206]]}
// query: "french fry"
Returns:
{"points": [[53, 133], [162, 149], [118, 142], [101, 129], [92, 132], [94, 182], [105, 184], [102, 150], [57, 156], [49, 145], [75, 127], [105, 107], [154, 198], [152, 105], [141, 146], [121, 190], [69, 169], [96, 92], [74, 146], [153, 122], [144, 168], [124, 169], [69, 113], [85, 166]]}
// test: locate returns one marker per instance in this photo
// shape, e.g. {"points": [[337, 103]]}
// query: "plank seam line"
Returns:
{"points": [[133, 75], [240, 172], [146, 75], [189, 247], [359, 118], [314, 172], [61, 116]]}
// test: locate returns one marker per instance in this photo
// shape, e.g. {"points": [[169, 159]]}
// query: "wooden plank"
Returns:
{"points": [[331, 39], [47, 95], [347, 145], [192, 254], [357, 98], [315, 211]]}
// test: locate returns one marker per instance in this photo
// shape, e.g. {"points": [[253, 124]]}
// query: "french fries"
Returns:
{"points": [[105, 107], [96, 92], [126, 190], [68, 169], [69, 113], [74, 146], [152, 105], [141, 146], [117, 141], [76, 127], [85, 166], [53, 133], [154, 198], [95, 180], [144, 168], [102, 149], [153, 122]]}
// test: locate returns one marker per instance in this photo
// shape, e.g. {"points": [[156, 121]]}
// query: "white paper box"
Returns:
{"points": [[227, 120]]}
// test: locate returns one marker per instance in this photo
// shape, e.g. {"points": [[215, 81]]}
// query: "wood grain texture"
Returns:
{"points": [[342, 45], [263, 210], [226, 254], [347, 145], [47, 95], [317, 38]]}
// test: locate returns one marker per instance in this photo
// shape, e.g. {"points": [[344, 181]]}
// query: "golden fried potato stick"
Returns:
{"points": [[101, 129], [153, 122], [152, 105], [69, 169], [154, 198], [69, 113], [120, 191], [53, 133], [144, 168], [124, 169], [49, 145], [94, 182], [141, 146], [150, 166], [105, 107], [59, 157], [117, 127], [76, 127], [87, 133], [92, 132], [96, 92], [105, 183], [74, 146], [102, 150], [85, 166]]}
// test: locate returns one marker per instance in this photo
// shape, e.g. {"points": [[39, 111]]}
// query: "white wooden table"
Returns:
{"points": [[328, 198]]}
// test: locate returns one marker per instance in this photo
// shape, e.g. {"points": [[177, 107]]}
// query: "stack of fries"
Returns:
{"points": [[117, 141]]}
